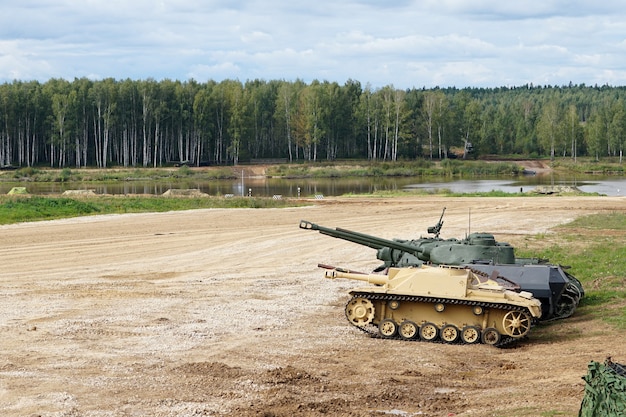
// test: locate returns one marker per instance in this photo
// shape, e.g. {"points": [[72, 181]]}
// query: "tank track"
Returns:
{"points": [[372, 330], [568, 302]]}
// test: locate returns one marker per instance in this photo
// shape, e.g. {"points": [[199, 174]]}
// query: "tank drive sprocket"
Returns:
{"points": [[360, 311]]}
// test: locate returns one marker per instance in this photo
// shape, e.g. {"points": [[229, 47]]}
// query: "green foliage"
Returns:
{"points": [[145, 123], [65, 175], [184, 171], [26, 172]]}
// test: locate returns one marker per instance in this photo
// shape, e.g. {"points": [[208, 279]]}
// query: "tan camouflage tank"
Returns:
{"points": [[439, 303]]}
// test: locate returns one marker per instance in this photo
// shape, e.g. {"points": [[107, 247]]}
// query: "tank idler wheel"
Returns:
{"points": [[470, 334], [516, 323], [360, 311], [429, 331], [388, 328], [408, 330], [490, 336], [449, 333]]}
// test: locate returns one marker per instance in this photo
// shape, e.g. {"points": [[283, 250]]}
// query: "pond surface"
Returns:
{"points": [[268, 187], [610, 186]]}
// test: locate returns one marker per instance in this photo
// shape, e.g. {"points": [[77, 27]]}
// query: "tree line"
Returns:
{"points": [[135, 123]]}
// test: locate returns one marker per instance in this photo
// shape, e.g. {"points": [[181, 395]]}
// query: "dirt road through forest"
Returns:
{"points": [[224, 312]]}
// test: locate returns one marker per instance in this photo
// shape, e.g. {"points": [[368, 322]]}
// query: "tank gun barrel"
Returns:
{"points": [[369, 278], [362, 238]]}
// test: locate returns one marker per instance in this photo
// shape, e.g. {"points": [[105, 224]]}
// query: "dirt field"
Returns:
{"points": [[224, 312]]}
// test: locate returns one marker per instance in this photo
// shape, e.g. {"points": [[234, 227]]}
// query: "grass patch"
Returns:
{"points": [[492, 193], [28, 209], [612, 221], [593, 247], [608, 166], [39, 208]]}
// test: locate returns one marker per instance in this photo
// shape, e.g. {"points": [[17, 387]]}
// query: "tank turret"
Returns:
{"points": [[437, 303], [477, 247], [558, 291]]}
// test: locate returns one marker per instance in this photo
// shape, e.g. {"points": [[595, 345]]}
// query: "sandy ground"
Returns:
{"points": [[224, 312]]}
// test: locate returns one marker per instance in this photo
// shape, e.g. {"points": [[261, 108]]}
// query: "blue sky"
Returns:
{"points": [[404, 43]]}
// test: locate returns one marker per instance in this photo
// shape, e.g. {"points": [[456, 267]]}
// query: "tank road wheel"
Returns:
{"points": [[408, 330], [516, 323], [490, 336], [429, 331], [388, 328], [449, 333], [360, 311], [470, 334]]}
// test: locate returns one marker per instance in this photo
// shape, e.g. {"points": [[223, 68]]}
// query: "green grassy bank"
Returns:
{"points": [[593, 247], [16, 209]]}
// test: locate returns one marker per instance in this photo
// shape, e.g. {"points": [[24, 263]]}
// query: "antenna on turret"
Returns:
{"points": [[469, 220], [437, 228]]}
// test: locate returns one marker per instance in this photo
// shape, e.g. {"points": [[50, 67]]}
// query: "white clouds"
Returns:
{"points": [[408, 43], [256, 37], [19, 60]]}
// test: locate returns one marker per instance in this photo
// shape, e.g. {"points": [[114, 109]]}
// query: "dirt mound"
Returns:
{"points": [[79, 193], [184, 193], [537, 167]]}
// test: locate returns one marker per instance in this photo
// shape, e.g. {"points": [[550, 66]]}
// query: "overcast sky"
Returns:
{"points": [[404, 43]]}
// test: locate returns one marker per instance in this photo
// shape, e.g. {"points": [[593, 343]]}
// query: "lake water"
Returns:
{"points": [[268, 187], [612, 186]]}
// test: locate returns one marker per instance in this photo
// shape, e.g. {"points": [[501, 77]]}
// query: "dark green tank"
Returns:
{"points": [[558, 291]]}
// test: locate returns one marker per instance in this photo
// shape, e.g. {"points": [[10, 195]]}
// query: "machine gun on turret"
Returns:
{"points": [[436, 229]]}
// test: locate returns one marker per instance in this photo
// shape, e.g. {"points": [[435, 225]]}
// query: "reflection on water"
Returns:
{"points": [[267, 187], [611, 186]]}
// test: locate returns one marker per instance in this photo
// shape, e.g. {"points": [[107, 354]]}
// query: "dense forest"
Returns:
{"points": [[132, 123]]}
